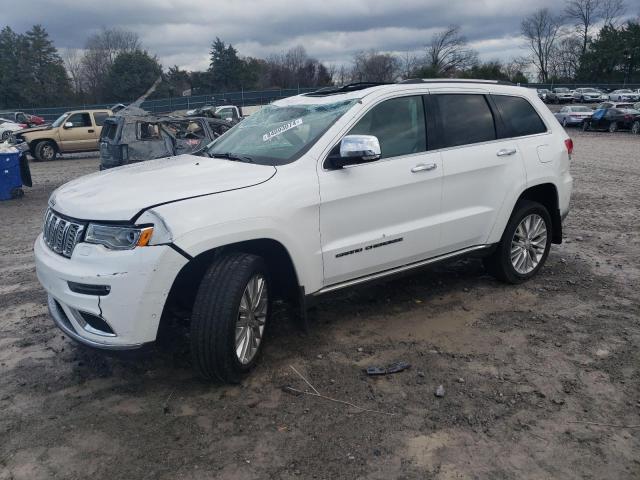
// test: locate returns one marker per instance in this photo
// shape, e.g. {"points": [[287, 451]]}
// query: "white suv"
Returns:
{"points": [[312, 194]]}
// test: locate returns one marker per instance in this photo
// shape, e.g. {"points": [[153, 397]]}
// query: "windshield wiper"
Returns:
{"points": [[232, 156]]}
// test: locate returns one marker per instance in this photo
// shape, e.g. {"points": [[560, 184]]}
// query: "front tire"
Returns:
{"points": [[635, 128], [585, 126], [524, 246], [231, 310], [6, 135], [613, 127], [46, 151]]}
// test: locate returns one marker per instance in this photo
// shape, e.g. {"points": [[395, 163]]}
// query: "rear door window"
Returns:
{"points": [[519, 116], [464, 119], [398, 124]]}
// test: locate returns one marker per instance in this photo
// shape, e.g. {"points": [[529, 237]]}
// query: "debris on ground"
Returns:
{"points": [[389, 369]]}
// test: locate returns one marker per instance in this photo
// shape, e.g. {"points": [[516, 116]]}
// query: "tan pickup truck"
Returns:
{"points": [[76, 131]]}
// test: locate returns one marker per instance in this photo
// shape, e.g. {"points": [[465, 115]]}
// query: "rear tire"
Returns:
{"points": [[585, 126], [6, 135], [227, 327], [524, 246], [635, 128], [46, 151]]}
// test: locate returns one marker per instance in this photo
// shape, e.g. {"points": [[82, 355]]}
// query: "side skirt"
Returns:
{"points": [[402, 269]]}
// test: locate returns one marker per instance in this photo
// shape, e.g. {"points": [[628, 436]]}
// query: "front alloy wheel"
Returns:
{"points": [[613, 127], [252, 317], [635, 128]]}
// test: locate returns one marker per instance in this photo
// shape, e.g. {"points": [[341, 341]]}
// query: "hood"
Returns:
{"points": [[120, 193], [35, 129]]}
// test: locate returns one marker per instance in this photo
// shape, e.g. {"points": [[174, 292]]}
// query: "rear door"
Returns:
{"points": [[480, 168], [382, 214], [98, 122]]}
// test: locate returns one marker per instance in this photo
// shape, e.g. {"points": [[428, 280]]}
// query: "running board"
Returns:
{"points": [[395, 270]]}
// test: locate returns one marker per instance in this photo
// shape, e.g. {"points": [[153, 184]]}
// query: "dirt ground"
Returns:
{"points": [[525, 369]]}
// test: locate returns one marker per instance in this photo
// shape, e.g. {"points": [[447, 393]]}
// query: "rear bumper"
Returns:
{"points": [[139, 282]]}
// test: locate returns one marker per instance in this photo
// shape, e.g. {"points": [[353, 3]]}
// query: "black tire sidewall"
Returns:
{"points": [[222, 361], [523, 209], [40, 146]]}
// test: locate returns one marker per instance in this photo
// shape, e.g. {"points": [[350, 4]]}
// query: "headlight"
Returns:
{"points": [[118, 237]]}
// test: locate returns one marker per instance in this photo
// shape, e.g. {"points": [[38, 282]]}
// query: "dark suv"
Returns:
{"points": [[129, 139]]}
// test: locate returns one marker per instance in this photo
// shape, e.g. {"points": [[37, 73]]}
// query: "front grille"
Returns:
{"points": [[61, 234]]}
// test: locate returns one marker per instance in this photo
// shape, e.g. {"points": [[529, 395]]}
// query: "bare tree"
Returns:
{"points": [[565, 57], [587, 13], [612, 10], [374, 66], [72, 58], [541, 30], [101, 50], [113, 41], [409, 63], [448, 52]]}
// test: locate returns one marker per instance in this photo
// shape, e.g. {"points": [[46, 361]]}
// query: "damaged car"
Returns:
{"points": [[136, 138]]}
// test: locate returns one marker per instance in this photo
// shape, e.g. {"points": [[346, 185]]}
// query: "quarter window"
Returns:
{"points": [[465, 119], [519, 116], [399, 125]]}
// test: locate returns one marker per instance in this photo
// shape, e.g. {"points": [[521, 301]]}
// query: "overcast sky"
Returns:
{"points": [[180, 31]]}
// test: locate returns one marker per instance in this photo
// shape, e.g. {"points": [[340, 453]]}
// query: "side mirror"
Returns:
{"points": [[68, 125], [355, 149]]}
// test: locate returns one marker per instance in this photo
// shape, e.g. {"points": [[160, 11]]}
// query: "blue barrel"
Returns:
{"points": [[10, 177]]}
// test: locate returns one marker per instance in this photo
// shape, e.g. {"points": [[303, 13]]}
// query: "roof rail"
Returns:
{"points": [[351, 87], [454, 80]]}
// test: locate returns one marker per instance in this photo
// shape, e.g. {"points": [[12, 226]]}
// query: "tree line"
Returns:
{"points": [[585, 42]]}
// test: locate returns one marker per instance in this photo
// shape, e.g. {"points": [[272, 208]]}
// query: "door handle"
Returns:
{"points": [[506, 152], [422, 167], [91, 130]]}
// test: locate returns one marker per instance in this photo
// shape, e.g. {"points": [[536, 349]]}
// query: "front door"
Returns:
{"points": [[382, 214], [80, 136]]}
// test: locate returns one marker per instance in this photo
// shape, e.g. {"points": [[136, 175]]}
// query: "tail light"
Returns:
{"points": [[569, 144], [22, 125], [628, 118]]}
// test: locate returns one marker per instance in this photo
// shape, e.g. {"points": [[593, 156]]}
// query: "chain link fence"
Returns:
{"points": [[180, 104]]}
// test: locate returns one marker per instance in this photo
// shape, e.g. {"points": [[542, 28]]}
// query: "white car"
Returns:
{"points": [[624, 95], [7, 127], [586, 95], [312, 194], [573, 115]]}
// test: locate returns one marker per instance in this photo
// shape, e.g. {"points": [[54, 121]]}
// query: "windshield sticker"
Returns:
{"points": [[281, 129]]}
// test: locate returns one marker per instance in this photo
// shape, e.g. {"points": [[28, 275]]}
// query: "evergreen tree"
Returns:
{"points": [[131, 75]]}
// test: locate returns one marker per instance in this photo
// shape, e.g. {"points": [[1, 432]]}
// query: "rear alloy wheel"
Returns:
{"points": [[585, 126], [564, 122], [613, 127], [635, 128], [46, 151], [524, 246], [230, 314], [5, 135]]}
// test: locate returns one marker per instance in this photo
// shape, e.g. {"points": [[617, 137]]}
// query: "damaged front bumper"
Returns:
{"points": [[108, 299]]}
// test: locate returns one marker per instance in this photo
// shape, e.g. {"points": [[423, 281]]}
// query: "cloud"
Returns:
{"points": [[180, 31]]}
